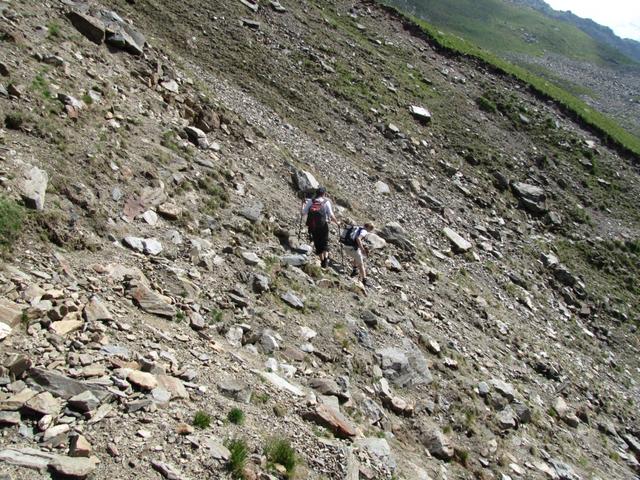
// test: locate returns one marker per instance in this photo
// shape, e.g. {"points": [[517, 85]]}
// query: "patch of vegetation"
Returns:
{"points": [[279, 451], [216, 316], [54, 30], [40, 84], [14, 120], [579, 215], [609, 130], [487, 105], [201, 419], [86, 98], [238, 458], [169, 140], [11, 222], [236, 416], [461, 456], [218, 197], [610, 269], [259, 398]]}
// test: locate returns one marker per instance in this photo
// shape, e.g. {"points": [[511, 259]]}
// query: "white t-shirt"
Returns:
{"points": [[327, 209]]}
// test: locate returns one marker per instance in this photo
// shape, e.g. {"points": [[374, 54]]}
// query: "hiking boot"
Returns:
{"points": [[366, 282], [354, 272], [324, 262]]}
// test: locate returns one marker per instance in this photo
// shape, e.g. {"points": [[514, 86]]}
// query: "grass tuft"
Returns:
{"points": [[201, 419], [236, 416], [279, 451], [238, 458], [11, 222]]}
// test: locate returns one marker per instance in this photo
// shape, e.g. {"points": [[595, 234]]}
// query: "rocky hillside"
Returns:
{"points": [[162, 316], [576, 55]]}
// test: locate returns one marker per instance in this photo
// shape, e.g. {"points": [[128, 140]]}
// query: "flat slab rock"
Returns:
{"points": [[150, 301], [76, 467], [332, 419], [458, 244], [66, 387]]}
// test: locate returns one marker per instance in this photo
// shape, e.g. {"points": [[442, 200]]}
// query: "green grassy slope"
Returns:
{"points": [[608, 129], [505, 28]]}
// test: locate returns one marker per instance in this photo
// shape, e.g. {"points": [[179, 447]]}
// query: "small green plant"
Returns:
{"points": [[259, 398], [461, 456], [86, 98], [239, 451], [41, 84], [216, 315], [236, 416], [14, 120], [180, 316], [201, 419], [446, 429], [54, 29], [279, 451], [11, 222], [486, 105]]}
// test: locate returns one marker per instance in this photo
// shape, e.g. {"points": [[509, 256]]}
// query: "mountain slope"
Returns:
{"points": [[161, 277], [546, 43], [627, 46]]}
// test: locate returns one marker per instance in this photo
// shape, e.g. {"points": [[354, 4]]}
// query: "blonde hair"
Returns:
{"points": [[369, 226]]}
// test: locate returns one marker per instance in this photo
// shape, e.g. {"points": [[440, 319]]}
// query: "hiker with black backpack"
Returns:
{"points": [[319, 213], [352, 237]]}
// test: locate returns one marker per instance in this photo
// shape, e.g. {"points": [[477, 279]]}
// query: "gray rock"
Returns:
{"points": [[438, 444], [506, 418], [235, 389], [65, 387], [43, 404], [150, 301], [393, 264], [382, 188], [404, 367], [134, 243], [250, 258], [304, 181], [75, 467], [197, 321], [458, 244], [217, 450], [268, 342], [564, 276], [523, 413], [292, 300], [33, 187], [503, 388], [89, 26], [84, 402], [294, 260], [197, 137], [96, 311], [152, 246], [167, 471], [9, 418], [252, 213], [260, 283], [529, 192], [420, 113], [379, 448]]}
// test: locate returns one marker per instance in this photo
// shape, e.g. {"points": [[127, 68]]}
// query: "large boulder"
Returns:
{"points": [[394, 234], [304, 181], [33, 187]]}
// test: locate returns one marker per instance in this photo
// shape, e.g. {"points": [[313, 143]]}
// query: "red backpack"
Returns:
{"points": [[316, 217]]}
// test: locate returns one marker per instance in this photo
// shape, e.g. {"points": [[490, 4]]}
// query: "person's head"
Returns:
{"points": [[369, 227], [321, 192]]}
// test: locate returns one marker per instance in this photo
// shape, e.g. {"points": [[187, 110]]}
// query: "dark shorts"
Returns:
{"points": [[320, 237]]}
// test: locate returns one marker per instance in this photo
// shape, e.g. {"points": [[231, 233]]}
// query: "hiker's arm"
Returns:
{"points": [[362, 247], [332, 217], [305, 208]]}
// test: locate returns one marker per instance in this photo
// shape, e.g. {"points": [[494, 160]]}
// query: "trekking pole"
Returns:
{"points": [[341, 249]]}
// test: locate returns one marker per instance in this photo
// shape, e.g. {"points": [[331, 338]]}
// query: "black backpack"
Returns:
{"points": [[315, 217], [349, 234]]}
